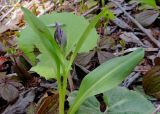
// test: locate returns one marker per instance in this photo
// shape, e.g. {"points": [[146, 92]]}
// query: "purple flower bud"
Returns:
{"points": [[59, 36]]}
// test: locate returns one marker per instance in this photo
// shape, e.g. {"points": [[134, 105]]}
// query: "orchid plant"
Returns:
{"points": [[62, 52]]}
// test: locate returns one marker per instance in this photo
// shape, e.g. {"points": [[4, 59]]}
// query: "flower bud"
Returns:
{"points": [[59, 36]]}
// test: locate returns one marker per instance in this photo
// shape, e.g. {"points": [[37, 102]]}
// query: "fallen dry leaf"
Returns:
{"points": [[120, 23], [151, 82], [48, 105], [104, 56], [130, 37], [20, 105], [84, 58], [147, 17]]}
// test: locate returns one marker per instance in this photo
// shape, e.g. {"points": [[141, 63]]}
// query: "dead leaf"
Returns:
{"points": [[120, 23], [84, 58], [8, 88], [104, 56], [147, 17], [12, 24], [81, 72], [130, 37], [157, 61], [118, 11], [8, 92], [109, 30], [106, 43], [151, 82], [48, 105], [19, 107], [3, 28]]}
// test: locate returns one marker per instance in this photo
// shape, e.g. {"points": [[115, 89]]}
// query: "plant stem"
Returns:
{"points": [[60, 89], [103, 3], [64, 85], [61, 101]]}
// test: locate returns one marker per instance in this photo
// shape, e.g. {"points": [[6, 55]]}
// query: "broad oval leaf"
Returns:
{"points": [[90, 106], [74, 26], [122, 101], [106, 76]]}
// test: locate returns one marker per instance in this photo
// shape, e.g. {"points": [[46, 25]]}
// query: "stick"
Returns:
{"points": [[135, 48], [131, 79], [7, 13], [2, 8], [89, 11]]}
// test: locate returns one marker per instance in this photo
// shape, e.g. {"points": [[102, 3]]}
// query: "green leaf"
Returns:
{"points": [[149, 2], [44, 35], [45, 65], [26, 44], [122, 101], [73, 30], [91, 105], [84, 36], [74, 26], [27, 41], [106, 76]]}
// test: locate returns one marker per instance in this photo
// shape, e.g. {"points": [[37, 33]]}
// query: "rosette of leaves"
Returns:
{"points": [[101, 79]]}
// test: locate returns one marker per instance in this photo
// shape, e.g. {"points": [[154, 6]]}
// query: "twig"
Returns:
{"points": [[150, 36], [5, 5], [2, 8], [131, 79], [7, 13], [133, 49], [156, 110], [89, 11], [139, 70]]}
